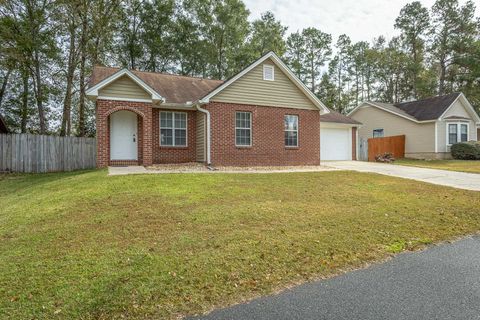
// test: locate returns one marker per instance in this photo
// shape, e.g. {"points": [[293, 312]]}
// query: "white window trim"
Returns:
{"points": [[265, 66], [173, 145], [459, 132], [243, 128], [373, 132], [287, 130]]}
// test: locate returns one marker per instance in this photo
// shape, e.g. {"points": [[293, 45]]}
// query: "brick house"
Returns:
{"points": [[262, 116]]}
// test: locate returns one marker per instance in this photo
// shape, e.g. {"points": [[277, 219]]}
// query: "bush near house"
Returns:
{"points": [[466, 150]]}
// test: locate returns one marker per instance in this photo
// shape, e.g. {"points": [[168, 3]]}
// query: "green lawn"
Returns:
{"points": [[84, 245], [471, 166]]}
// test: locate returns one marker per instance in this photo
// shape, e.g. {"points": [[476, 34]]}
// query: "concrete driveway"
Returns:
{"points": [[460, 180], [439, 283]]}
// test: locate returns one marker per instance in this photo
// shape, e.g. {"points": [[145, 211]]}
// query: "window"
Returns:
{"points": [[463, 132], [243, 128], [291, 131], [378, 133], [268, 72], [452, 133], [457, 132], [173, 129]]}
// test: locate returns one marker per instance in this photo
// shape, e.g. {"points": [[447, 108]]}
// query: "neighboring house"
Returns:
{"points": [[264, 115], [430, 125], [3, 125]]}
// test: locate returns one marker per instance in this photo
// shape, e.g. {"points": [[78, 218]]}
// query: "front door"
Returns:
{"points": [[123, 136]]}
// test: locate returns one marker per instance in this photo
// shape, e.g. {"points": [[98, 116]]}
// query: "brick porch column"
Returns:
{"points": [[148, 136], [102, 128]]}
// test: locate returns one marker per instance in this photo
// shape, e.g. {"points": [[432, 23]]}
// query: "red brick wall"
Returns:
{"points": [[162, 154], [103, 110], [354, 143], [268, 146]]}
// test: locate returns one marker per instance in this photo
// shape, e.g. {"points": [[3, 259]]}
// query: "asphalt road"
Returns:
{"points": [[442, 282]]}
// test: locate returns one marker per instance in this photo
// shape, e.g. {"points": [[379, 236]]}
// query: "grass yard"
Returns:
{"points": [[84, 245], [470, 166]]}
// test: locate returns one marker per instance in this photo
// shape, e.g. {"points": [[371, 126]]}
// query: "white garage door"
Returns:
{"points": [[335, 144]]}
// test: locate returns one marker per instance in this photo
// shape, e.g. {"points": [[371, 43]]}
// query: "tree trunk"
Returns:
{"points": [[24, 111], [83, 57], [67, 103], [4, 85], [443, 73], [39, 94]]}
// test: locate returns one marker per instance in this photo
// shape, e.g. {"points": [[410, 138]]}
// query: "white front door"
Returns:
{"points": [[335, 144], [123, 136]]}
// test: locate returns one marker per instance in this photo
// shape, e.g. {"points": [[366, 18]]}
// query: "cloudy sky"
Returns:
{"points": [[359, 19]]}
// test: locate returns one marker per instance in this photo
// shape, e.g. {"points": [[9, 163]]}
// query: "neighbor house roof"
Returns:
{"points": [[430, 108], [425, 110], [173, 88], [3, 125], [336, 117]]}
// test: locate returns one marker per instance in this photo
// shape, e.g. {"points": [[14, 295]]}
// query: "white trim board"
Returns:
{"points": [[271, 55]]}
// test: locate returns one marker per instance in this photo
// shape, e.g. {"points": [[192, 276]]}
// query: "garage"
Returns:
{"points": [[335, 144], [337, 137]]}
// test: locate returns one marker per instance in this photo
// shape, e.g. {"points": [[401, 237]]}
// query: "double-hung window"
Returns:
{"points": [[452, 133], [243, 129], [463, 132], [291, 130], [457, 132], [173, 129]]}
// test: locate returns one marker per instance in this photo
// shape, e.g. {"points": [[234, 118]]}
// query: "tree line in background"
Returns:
{"points": [[49, 47]]}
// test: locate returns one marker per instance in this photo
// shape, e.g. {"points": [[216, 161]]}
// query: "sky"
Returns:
{"points": [[361, 20]]}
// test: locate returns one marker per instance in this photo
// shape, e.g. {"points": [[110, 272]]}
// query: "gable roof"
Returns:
{"points": [[425, 110], [430, 108], [279, 63], [3, 125], [336, 117], [172, 88]]}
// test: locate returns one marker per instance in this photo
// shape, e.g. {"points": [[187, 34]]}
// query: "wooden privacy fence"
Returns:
{"points": [[394, 145], [41, 153]]}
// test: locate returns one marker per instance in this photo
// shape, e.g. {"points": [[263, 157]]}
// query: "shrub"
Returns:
{"points": [[466, 151]]}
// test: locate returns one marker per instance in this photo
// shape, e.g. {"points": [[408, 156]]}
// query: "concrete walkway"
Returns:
{"points": [[120, 171], [440, 283], [196, 168], [460, 180]]}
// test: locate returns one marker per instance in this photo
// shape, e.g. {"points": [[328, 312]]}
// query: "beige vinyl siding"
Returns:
{"points": [[124, 87], [419, 137], [459, 110], [252, 89], [200, 136]]}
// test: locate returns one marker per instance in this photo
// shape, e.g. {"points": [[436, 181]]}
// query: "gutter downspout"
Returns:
{"points": [[207, 113]]}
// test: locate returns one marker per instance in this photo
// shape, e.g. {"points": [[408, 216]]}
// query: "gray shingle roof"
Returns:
{"points": [[430, 108], [421, 110]]}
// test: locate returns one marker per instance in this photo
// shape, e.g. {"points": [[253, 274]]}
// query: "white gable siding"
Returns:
{"points": [[458, 109]]}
